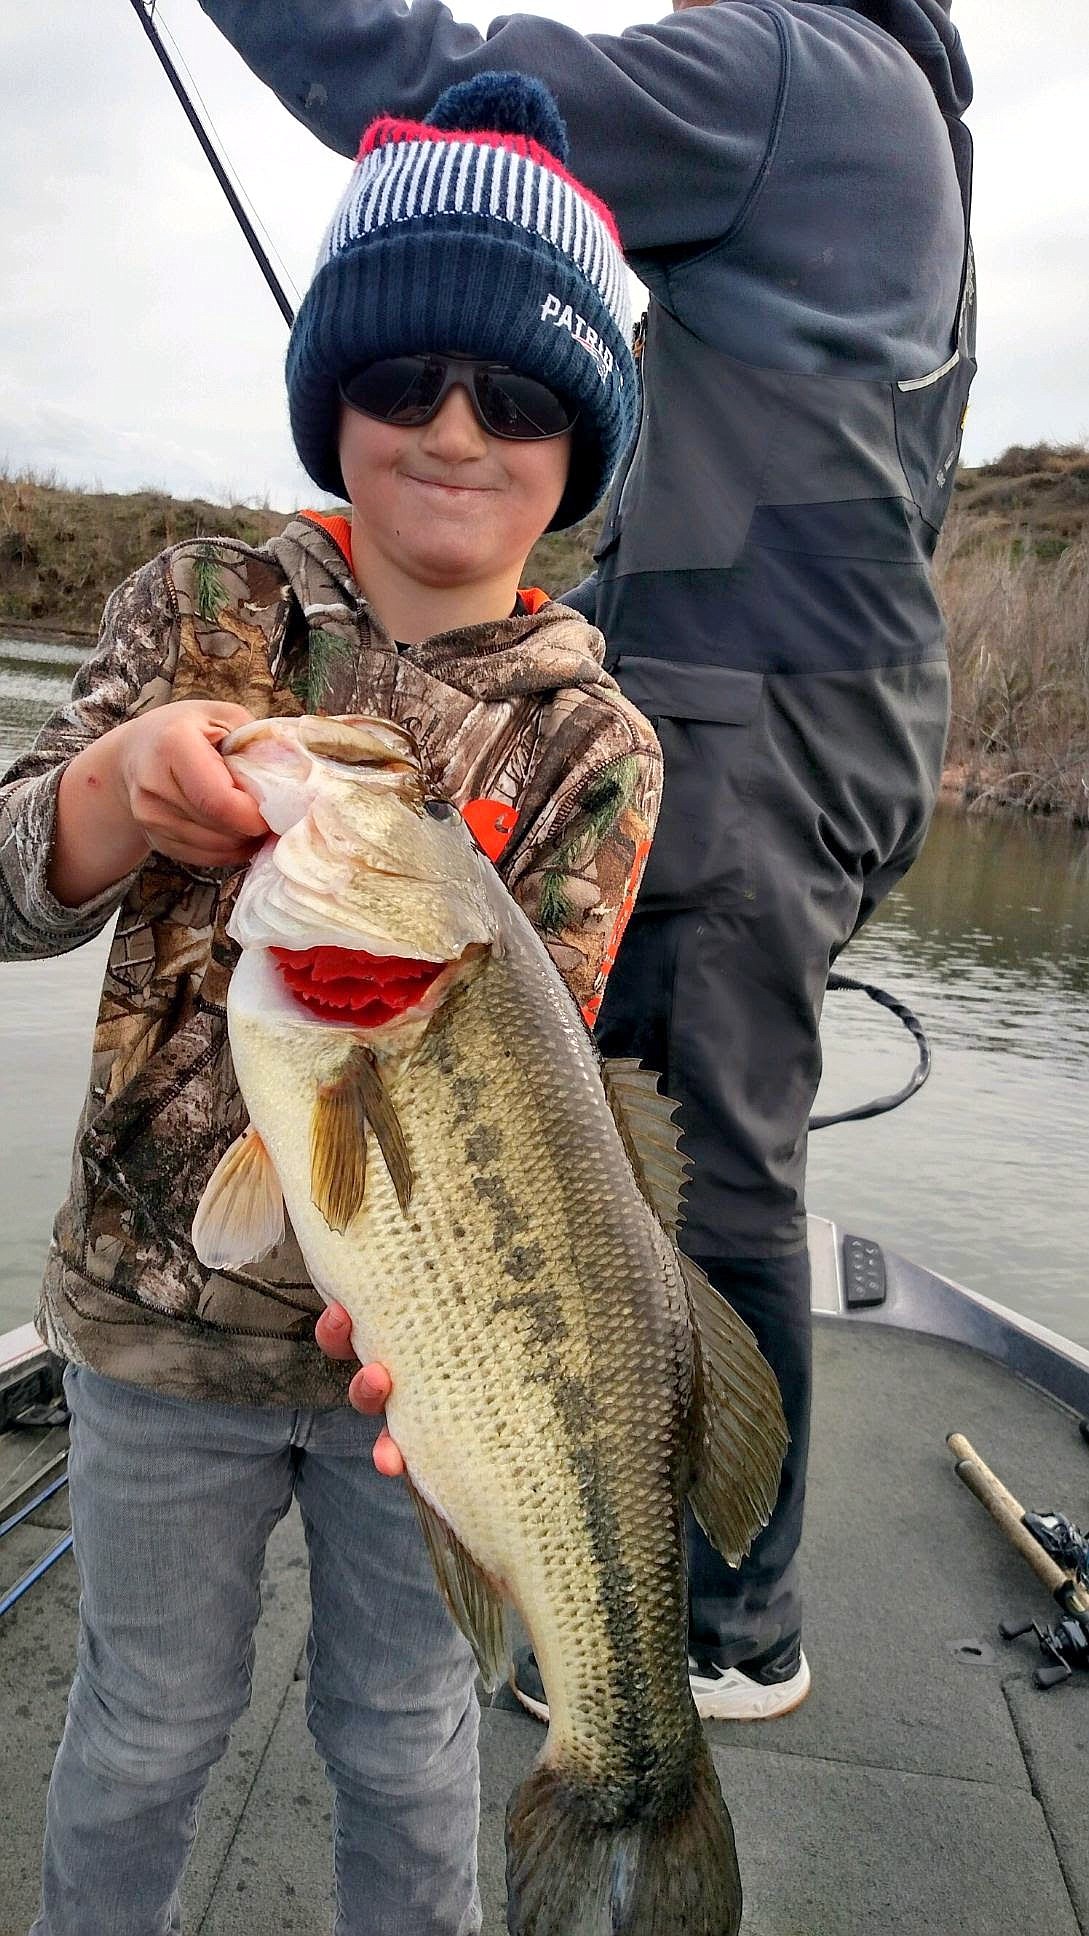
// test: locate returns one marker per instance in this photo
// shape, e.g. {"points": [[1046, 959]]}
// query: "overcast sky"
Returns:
{"points": [[140, 346]]}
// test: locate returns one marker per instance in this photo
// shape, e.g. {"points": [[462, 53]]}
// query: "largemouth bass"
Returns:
{"points": [[497, 1211]]}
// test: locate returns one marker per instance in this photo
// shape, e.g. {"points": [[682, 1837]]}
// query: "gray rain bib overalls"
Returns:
{"points": [[782, 633]]}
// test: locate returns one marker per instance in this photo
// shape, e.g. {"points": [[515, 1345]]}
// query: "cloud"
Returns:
{"points": [[85, 451]]}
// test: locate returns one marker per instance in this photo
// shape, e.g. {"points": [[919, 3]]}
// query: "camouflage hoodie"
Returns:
{"points": [[556, 773]]}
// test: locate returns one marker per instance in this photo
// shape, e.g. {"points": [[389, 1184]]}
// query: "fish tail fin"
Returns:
{"points": [[570, 1872]]}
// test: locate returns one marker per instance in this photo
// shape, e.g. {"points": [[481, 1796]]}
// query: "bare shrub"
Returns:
{"points": [[1019, 658], [1026, 460]]}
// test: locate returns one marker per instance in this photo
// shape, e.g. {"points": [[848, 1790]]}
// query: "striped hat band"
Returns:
{"points": [[408, 171]]}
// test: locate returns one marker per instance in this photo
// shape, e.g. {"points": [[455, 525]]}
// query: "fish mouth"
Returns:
{"points": [[350, 985]]}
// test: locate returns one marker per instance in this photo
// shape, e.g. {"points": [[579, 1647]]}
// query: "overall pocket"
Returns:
{"points": [[705, 718], [929, 413]]}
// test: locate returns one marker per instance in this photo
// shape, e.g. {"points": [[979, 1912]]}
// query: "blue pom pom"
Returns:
{"points": [[503, 104]]}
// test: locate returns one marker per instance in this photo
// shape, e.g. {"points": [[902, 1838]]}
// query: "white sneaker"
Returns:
{"points": [[726, 1694], [720, 1694]]}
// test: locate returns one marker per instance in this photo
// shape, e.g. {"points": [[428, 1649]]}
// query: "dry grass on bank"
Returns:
{"points": [[1013, 574], [1019, 654], [562, 560], [62, 551], [1034, 496]]}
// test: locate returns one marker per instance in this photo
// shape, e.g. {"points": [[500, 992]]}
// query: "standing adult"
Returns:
{"points": [[791, 180]]}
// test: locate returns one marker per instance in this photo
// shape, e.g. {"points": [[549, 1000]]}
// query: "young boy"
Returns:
{"points": [[460, 369]]}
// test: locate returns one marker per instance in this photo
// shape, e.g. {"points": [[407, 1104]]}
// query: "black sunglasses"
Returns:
{"points": [[408, 390]]}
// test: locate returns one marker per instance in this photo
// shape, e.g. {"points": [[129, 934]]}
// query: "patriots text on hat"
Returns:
{"points": [[564, 317]]}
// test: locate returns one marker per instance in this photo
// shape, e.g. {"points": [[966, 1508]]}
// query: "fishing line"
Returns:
{"points": [[243, 192], [144, 13]]}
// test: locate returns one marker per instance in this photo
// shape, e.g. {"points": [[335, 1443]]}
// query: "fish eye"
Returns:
{"points": [[441, 809]]}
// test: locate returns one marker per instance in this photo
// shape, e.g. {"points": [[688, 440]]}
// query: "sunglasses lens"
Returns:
{"points": [[397, 390], [519, 407], [406, 390]]}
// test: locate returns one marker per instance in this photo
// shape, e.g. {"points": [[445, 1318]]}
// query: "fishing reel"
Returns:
{"points": [[1066, 1644], [1062, 1542]]}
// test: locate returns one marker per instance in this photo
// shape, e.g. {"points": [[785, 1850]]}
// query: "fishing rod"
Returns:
{"points": [[40, 1482], [144, 10], [1058, 1554], [26, 1484], [34, 1574]]}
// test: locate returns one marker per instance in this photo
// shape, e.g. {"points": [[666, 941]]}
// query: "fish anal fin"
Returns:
{"points": [[240, 1217], [474, 1600], [739, 1430], [644, 1118]]}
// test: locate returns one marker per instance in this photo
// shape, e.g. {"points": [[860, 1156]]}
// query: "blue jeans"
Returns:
{"points": [[173, 1503]]}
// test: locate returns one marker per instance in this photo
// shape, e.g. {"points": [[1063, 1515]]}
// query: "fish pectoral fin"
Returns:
{"points": [[383, 1119], [644, 1118], [338, 1145], [740, 1432], [344, 1106], [474, 1600], [240, 1217]]}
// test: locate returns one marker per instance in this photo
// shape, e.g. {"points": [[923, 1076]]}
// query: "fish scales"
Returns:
{"points": [[426, 1103], [564, 1177]]}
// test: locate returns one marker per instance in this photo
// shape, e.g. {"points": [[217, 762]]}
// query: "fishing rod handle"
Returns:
{"points": [[1005, 1510]]}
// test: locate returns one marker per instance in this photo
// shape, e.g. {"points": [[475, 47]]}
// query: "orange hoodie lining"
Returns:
{"points": [[339, 527]]}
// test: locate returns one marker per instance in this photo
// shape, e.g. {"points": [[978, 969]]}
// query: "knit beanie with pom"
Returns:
{"points": [[466, 234]]}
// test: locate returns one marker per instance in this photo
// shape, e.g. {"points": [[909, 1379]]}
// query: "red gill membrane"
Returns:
{"points": [[347, 985]]}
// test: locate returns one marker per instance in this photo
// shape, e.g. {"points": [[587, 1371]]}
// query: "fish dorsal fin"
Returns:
{"points": [[474, 1600], [343, 1107], [644, 1118], [240, 1217], [740, 1433]]}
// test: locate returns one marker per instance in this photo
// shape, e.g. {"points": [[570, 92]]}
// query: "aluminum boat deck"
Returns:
{"points": [[927, 1785]]}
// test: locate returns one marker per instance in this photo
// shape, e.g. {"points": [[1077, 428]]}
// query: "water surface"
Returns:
{"points": [[982, 1175]]}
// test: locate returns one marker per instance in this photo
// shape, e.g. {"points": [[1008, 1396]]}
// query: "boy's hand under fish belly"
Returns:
{"points": [[370, 1388]]}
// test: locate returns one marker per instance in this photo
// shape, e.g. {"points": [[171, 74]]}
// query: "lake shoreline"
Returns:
{"points": [[48, 633], [978, 788], [962, 785]]}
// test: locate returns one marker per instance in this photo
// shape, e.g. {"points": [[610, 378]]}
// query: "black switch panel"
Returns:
{"points": [[863, 1273]]}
